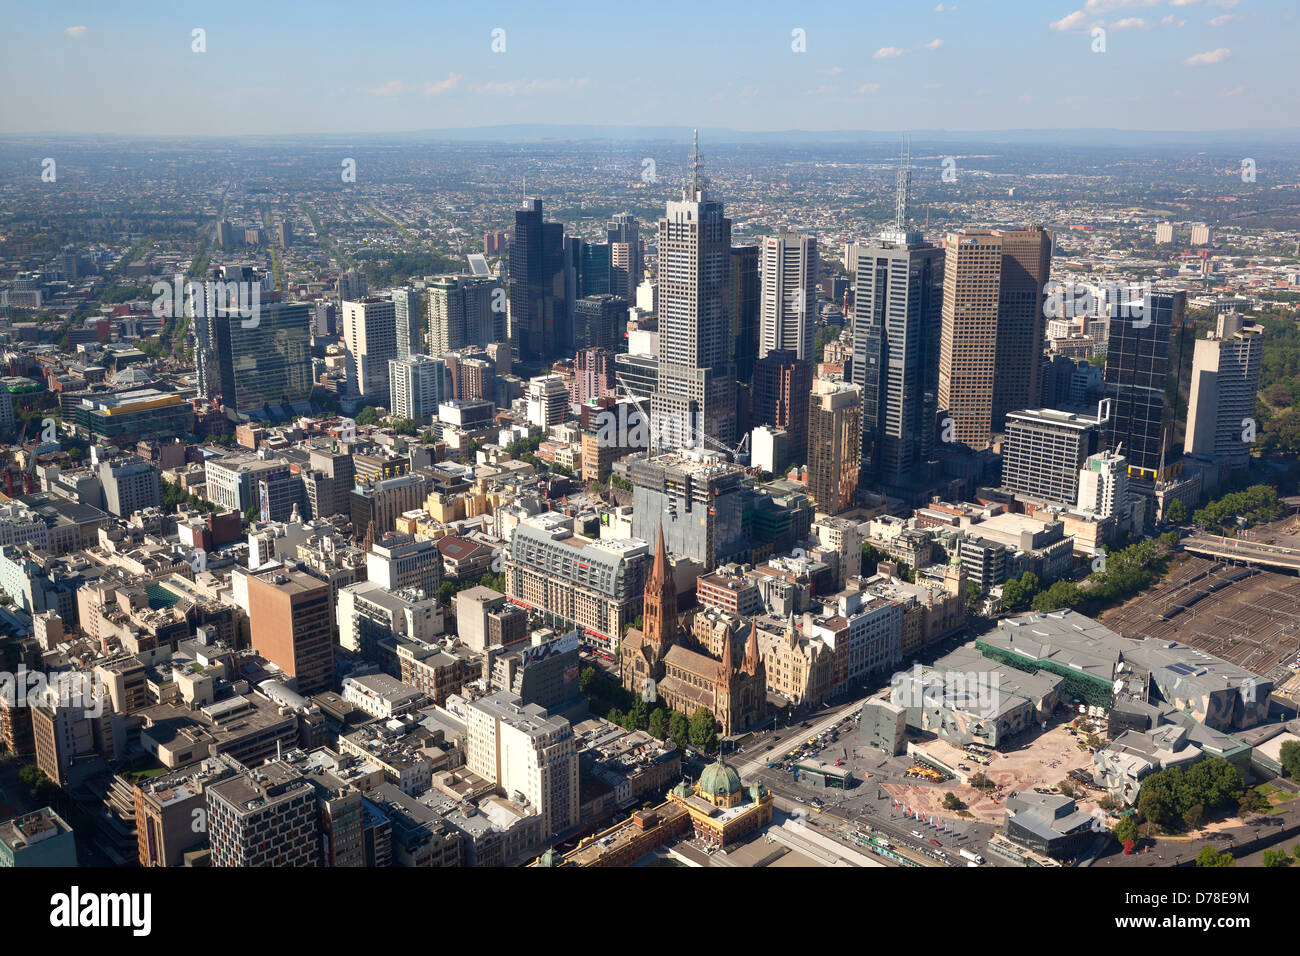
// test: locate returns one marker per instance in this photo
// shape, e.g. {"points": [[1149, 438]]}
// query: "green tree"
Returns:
{"points": [[1290, 755], [703, 735], [254, 513], [678, 730], [585, 678], [1209, 856], [973, 597], [1176, 513], [367, 416], [658, 727], [403, 426], [952, 802], [1126, 828], [1275, 858]]}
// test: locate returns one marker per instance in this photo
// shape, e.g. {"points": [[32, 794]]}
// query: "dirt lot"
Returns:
{"points": [[1041, 759]]}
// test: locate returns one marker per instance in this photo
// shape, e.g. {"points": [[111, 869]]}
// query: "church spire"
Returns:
{"points": [[659, 613], [752, 658], [726, 667]]}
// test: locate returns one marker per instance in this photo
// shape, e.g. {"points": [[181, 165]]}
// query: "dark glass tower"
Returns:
{"points": [[537, 294], [1144, 372], [267, 365], [897, 317], [744, 311]]}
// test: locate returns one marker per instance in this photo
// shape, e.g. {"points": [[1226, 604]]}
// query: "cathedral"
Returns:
{"points": [[656, 662]]}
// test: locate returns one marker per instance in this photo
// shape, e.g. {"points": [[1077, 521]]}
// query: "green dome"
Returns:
{"points": [[719, 780]]}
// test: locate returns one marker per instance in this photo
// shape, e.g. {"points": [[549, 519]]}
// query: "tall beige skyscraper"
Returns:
{"points": [[697, 387], [1026, 266], [1225, 385], [370, 337], [787, 306], [968, 339], [992, 335]]}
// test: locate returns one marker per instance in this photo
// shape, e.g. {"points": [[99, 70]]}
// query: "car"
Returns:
{"points": [[800, 800], [935, 842]]}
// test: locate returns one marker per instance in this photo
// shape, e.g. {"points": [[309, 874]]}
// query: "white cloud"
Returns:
{"points": [[941, 8], [1172, 21], [1208, 57], [1106, 6], [442, 86], [1235, 91], [1071, 21], [1129, 23], [75, 32], [391, 88], [824, 89], [833, 71], [934, 44], [1183, 3], [532, 86], [867, 88], [1222, 19], [885, 52]]}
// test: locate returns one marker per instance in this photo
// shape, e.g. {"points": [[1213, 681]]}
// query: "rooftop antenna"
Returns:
{"points": [[904, 184]]}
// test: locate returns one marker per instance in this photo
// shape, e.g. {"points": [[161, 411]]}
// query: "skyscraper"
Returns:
{"points": [[625, 268], [263, 364], [1225, 385], [782, 382], [897, 315], [788, 306], [599, 321], [291, 619], [696, 388], [744, 311], [537, 318], [370, 337], [1026, 265], [418, 384], [969, 336], [409, 327], [1143, 374], [1044, 452], [834, 444], [465, 310]]}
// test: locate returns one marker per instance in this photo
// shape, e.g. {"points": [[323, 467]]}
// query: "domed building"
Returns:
{"points": [[722, 809]]}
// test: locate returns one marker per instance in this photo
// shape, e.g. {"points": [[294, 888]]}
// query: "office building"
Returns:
{"points": [[1164, 233], [167, 806], [969, 337], [465, 311], [599, 321], [744, 311], [1103, 484], [264, 817], [788, 307], [1200, 234], [696, 396], [992, 329], [548, 401], [594, 269], [537, 304], [264, 363], [574, 582], [370, 337], [39, 838], [398, 562], [1143, 361], [625, 267], [897, 316], [291, 622], [1022, 288], [417, 385], [1043, 452], [1225, 388], [130, 484], [525, 752], [834, 445], [782, 383]]}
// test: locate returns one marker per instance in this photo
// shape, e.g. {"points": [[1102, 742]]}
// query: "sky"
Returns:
{"points": [[90, 66]]}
